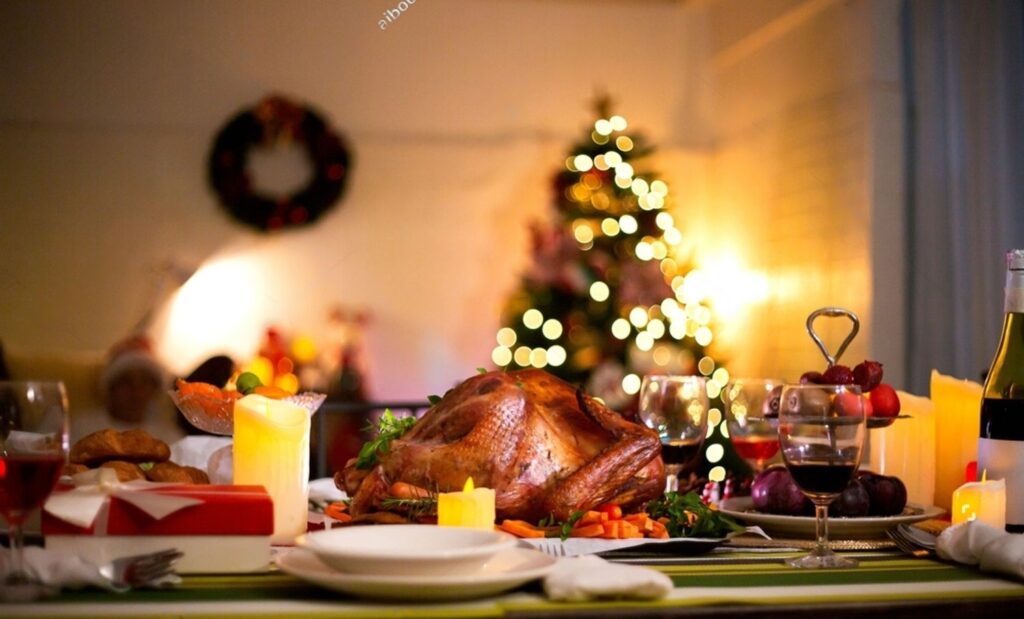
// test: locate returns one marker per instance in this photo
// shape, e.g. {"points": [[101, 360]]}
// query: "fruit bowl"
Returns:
{"points": [[216, 415]]}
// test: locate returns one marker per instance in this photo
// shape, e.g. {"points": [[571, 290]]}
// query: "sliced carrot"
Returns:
{"points": [[641, 522], [591, 530], [629, 531], [337, 511], [613, 529], [402, 490], [659, 531], [521, 528], [590, 517]]}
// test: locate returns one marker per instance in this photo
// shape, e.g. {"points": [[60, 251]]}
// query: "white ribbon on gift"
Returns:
{"points": [[85, 505]]}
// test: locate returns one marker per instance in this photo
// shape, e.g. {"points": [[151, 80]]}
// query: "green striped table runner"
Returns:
{"points": [[726, 578]]}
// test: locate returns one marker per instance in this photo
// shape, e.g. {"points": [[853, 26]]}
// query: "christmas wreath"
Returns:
{"points": [[276, 121]]}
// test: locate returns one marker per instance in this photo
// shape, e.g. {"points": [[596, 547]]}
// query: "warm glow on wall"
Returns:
{"points": [[732, 287], [218, 310]]}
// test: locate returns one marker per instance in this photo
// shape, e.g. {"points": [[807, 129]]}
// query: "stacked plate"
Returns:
{"points": [[421, 562]]}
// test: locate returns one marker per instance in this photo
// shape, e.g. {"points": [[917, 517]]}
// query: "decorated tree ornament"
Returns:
{"points": [[275, 122]]}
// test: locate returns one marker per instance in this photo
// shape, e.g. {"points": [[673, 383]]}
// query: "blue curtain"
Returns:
{"points": [[964, 71]]}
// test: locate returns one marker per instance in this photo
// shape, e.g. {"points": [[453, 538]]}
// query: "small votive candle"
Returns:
{"points": [[472, 508], [983, 500]]}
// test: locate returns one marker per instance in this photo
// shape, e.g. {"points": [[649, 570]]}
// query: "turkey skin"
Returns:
{"points": [[544, 446]]}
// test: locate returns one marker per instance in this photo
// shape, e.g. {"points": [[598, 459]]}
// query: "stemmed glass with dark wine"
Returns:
{"points": [[676, 407], [821, 431], [33, 449], [752, 417]]}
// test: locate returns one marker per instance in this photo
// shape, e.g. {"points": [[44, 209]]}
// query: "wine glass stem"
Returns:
{"points": [[17, 542], [821, 527]]}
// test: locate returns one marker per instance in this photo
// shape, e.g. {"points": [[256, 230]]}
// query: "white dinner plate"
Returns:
{"points": [[742, 509], [506, 570], [405, 549]]}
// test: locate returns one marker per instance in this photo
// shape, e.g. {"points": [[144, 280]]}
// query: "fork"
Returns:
{"points": [[908, 545], [143, 570], [553, 547]]}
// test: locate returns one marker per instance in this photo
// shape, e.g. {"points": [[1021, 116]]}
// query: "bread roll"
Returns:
{"points": [[130, 446]]}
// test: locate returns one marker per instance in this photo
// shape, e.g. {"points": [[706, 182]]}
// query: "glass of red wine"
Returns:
{"points": [[821, 432], [676, 407], [752, 417], [33, 450]]}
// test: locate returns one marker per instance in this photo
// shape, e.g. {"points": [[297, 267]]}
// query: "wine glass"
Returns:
{"points": [[33, 449], [751, 414], [676, 407], [821, 431]]}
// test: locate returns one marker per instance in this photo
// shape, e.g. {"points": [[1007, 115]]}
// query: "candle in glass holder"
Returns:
{"points": [[472, 508], [983, 500], [271, 449], [906, 449]]}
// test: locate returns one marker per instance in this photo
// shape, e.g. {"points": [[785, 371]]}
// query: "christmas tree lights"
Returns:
{"points": [[612, 294]]}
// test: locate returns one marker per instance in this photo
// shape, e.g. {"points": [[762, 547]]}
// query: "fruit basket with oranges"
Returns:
{"points": [[212, 409]]}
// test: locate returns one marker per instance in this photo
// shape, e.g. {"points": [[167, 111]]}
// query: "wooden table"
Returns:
{"points": [[722, 584]]}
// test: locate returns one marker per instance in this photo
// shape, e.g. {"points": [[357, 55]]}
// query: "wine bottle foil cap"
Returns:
{"points": [[1015, 260]]}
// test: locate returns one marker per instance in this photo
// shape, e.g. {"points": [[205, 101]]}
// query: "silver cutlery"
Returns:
{"points": [[920, 536], [549, 546], [909, 544], [145, 570]]}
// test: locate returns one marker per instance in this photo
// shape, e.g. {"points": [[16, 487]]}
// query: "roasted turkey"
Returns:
{"points": [[544, 446]]}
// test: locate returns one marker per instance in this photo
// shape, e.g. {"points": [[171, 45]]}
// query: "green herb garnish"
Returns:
{"points": [[433, 399], [481, 370], [147, 466], [566, 529], [413, 508], [389, 428], [688, 516]]}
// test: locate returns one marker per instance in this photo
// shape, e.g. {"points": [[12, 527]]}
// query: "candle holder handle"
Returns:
{"points": [[832, 312]]}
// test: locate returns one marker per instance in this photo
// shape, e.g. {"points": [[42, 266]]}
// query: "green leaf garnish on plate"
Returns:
{"points": [[688, 516]]}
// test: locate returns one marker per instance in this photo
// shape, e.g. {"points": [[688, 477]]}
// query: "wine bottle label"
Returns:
{"points": [[1001, 459]]}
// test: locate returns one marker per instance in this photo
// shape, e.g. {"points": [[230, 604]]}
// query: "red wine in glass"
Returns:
{"points": [[756, 448], [680, 453], [822, 478], [34, 420], [676, 408], [25, 482]]}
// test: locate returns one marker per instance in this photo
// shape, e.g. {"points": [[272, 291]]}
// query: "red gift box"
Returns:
{"points": [[224, 529]]}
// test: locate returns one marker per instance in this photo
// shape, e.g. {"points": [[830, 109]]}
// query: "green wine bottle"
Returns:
{"points": [[1001, 438]]}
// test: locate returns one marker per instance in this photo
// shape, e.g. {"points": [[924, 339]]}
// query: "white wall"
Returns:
{"points": [[780, 122], [805, 179], [458, 113]]}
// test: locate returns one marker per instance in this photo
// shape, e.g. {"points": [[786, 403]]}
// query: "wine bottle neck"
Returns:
{"points": [[1014, 292]]}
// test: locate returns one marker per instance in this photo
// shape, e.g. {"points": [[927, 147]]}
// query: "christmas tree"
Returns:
{"points": [[611, 294]]}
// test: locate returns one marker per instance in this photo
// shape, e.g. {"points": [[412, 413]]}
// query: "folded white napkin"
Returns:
{"points": [[323, 490], [58, 569], [584, 578], [976, 543]]}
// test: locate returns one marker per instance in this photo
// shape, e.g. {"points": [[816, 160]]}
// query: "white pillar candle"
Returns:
{"points": [[983, 500], [271, 449], [906, 449], [957, 409]]}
